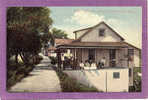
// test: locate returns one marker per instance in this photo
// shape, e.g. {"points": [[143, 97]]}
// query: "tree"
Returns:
{"points": [[24, 25], [45, 38], [57, 33]]}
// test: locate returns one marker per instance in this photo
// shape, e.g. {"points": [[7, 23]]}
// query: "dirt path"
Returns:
{"points": [[41, 79]]}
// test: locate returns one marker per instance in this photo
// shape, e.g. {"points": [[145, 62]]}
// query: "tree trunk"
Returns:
{"points": [[16, 58], [23, 58]]}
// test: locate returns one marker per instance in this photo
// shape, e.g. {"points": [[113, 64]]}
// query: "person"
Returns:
{"points": [[81, 65], [102, 62], [87, 64], [62, 59], [93, 64]]}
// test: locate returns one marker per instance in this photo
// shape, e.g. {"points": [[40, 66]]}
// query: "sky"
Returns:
{"points": [[127, 21]]}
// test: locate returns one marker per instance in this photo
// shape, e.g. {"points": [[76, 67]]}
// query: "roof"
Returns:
{"points": [[51, 48], [91, 28], [95, 44], [132, 46], [60, 42], [79, 44], [63, 41]]}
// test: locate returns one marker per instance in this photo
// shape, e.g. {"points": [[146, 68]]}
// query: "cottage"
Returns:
{"points": [[52, 49], [100, 41]]}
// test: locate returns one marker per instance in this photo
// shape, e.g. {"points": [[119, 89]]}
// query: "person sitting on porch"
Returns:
{"points": [[90, 61], [87, 65], [93, 65], [81, 65]]}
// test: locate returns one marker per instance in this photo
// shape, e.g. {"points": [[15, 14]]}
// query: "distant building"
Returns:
{"points": [[51, 49]]}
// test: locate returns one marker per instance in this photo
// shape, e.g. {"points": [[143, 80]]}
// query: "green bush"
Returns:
{"points": [[136, 81], [54, 60], [16, 72], [84, 88]]}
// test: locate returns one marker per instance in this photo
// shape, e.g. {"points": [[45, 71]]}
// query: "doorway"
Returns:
{"points": [[91, 54], [112, 57]]}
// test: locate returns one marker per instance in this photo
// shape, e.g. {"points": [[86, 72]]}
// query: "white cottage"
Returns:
{"points": [[100, 41]]}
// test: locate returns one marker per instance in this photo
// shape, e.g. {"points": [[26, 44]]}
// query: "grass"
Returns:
{"points": [[69, 84]]}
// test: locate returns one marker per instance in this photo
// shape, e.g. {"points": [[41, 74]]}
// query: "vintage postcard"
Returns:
{"points": [[73, 49]]}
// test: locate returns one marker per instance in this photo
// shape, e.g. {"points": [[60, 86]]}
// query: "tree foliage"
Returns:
{"points": [[57, 33], [24, 25]]}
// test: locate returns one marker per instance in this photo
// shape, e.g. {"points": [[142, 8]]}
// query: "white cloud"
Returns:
{"points": [[83, 17], [68, 30], [87, 18]]}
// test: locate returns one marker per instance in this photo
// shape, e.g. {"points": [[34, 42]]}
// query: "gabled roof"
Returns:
{"points": [[91, 28]]}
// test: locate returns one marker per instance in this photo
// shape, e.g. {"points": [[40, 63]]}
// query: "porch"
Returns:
{"points": [[115, 55]]}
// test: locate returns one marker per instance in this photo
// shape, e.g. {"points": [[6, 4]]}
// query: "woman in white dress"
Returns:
{"points": [[81, 65], [93, 65]]}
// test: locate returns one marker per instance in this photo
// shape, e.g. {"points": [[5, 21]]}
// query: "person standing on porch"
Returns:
{"points": [[102, 62], [81, 65]]}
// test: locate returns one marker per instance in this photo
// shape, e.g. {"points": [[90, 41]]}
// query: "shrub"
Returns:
{"points": [[84, 88], [16, 72], [137, 81]]}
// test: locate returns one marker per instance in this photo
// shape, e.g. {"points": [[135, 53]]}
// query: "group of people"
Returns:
{"points": [[69, 62], [74, 63], [93, 64]]}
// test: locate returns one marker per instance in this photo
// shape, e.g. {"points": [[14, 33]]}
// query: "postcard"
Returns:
{"points": [[52, 49]]}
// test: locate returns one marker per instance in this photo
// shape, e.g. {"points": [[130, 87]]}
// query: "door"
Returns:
{"points": [[91, 54], [112, 56]]}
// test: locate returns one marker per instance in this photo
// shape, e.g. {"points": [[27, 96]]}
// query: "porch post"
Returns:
{"points": [[59, 59], [75, 53], [81, 54]]}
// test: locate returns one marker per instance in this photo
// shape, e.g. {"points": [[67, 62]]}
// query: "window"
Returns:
{"points": [[130, 52], [101, 32], [116, 75]]}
